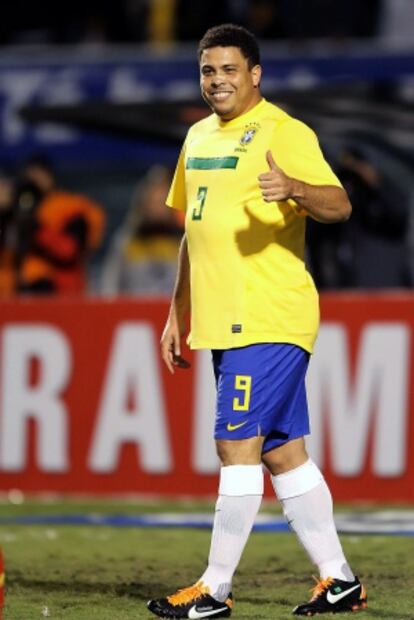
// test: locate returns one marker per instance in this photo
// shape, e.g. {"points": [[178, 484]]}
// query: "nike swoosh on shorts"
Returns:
{"points": [[234, 427]]}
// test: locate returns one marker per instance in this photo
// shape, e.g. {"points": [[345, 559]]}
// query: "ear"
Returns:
{"points": [[256, 75]]}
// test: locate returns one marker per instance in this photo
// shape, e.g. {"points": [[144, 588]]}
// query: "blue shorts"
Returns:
{"points": [[261, 391]]}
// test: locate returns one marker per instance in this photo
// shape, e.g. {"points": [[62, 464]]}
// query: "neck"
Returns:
{"points": [[253, 103]]}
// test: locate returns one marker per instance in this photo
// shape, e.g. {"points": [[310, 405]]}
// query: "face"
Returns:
{"points": [[39, 176], [154, 204], [227, 84], [6, 194]]}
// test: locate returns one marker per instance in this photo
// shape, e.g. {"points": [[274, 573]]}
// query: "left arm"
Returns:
{"points": [[325, 203]]}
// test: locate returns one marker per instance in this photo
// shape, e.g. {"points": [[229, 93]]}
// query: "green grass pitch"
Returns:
{"points": [[106, 573]]}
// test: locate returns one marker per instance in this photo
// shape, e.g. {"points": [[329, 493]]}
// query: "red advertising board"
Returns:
{"points": [[86, 405]]}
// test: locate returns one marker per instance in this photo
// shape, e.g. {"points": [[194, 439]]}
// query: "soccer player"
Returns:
{"points": [[247, 177]]}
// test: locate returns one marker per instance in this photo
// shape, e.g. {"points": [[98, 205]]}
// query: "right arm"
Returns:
{"points": [[180, 305]]}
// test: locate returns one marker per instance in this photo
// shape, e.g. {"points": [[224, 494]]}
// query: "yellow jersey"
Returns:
{"points": [[249, 283]]}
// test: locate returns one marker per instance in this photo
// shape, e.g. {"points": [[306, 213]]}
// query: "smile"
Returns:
{"points": [[221, 95]]}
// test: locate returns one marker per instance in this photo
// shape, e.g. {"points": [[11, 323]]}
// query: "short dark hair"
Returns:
{"points": [[231, 35]]}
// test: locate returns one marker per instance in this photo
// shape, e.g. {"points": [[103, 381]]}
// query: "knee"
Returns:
{"points": [[276, 463], [242, 452], [286, 457]]}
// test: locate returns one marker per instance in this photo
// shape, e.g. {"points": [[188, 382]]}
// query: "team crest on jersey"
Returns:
{"points": [[249, 134]]}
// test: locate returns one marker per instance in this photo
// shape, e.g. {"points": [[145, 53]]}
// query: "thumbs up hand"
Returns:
{"points": [[275, 184]]}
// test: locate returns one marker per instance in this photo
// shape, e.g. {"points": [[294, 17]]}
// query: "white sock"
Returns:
{"points": [[307, 505], [240, 496]]}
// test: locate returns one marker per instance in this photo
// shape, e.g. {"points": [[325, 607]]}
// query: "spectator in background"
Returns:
{"points": [[39, 171], [7, 264], [56, 231], [142, 257], [370, 251]]}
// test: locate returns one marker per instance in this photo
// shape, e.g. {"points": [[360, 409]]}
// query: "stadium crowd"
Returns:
{"points": [[163, 21], [48, 235]]}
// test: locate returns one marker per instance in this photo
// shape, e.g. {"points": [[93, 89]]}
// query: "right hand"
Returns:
{"points": [[171, 346]]}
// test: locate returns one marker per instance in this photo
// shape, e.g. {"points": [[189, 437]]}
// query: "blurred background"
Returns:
{"points": [[95, 101]]}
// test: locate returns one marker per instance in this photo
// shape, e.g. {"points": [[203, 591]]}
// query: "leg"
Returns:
{"points": [[239, 446], [307, 505], [240, 496]]}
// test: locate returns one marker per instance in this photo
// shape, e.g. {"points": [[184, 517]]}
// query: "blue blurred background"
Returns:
{"points": [[100, 97]]}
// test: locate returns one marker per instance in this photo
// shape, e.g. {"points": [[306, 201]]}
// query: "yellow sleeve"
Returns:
{"points": [[295, 149], [177, 198]]}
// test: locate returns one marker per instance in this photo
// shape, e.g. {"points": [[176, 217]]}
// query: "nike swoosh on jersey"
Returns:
{"points": [[193, 614], [234, 427], [334, 598]]}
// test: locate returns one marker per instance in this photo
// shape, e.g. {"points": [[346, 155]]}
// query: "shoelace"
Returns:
{"points": [[321, 586], [181, 597]]}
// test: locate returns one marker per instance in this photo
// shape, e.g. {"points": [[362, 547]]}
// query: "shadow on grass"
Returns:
{"points": [[71, 587]]}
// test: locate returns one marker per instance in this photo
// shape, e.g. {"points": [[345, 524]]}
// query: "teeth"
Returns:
{"points": [[221, 95]]}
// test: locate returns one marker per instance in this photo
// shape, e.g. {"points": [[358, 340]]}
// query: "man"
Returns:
{"points": [[246, 178], [56, 233]]}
